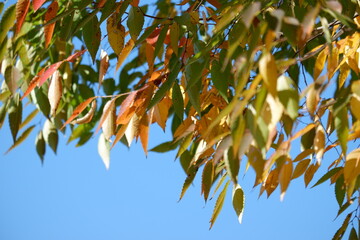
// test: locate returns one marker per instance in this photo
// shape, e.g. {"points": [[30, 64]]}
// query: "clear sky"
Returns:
{"points": [[73, 196]]}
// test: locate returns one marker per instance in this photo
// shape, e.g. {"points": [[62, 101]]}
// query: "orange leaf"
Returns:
{"points": [[75, 55], [88, 116], [285, 177], [309, 174], [126, 104], [153, 37], [101, 3], [120, 134], [161, 111], [78, 110], [48, 72], [22, 7], [33, 83], [109, 106], [144, 132], [303, 131], [37, 4], [183, 2], [125, 52], [135, 3], [49, 29]]}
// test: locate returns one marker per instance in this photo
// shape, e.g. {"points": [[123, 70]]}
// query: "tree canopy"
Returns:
{"points": [[240, 82]]}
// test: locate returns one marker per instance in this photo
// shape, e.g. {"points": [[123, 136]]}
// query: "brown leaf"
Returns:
{"points": [[125, 106], [300, 168], [144, 132], [88, 116], [104, 65], [309, 174], [49, 29], [125, 52], [285, 177]]}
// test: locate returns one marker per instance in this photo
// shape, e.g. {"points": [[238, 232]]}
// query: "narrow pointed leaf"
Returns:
{"points": [[23, 136], [104, 150], [218, 205], [49, 15]]}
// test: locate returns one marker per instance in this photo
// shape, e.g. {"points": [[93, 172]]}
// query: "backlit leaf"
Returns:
{"points": [[300, 168], [81, 107], [7, 21], [327, 175], [55, 92], [125, 52], [15, 115], [238, 201], [219, 204], [40, 145], [104, 150], [135, 22], [23, 136], [207, 179], [51, 135], [50, 14], [107, 120], [104, 65], [268, 71], [285, 177], [22, 7], [309, 174], [37, 4], [116, 33]]}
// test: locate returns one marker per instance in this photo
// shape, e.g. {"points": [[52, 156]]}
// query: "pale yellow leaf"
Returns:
{"points": [[107, 121], [269, 72], [104, 150], [319, 143], [104, 65], [55, 92]]}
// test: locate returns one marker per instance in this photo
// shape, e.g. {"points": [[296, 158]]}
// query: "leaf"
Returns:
{"points": [[207, 179], [22, 7], [355, 106], [37, 4], [232, 164], [40, 145], [288, 96], [144, 132], [132, 129], [51, 135], [309, 174], [178, 101], [23, 136], [104, 65], [125, 52], [81, 107], [219, 204], [342, 128], [312, 99], [104, 150], [164, 147], [353, 234], [107, 120], [3, 110], [238, 201], [15, 115], [7, 22], [29, 118], [55, 92], [174, 37], [12, 76], [320, 62], [300, 168], [126, 105], [269, 72], [45, 74], [92, 36], [340, 232], [135, 22], [319, 142], [285, 177], [116, 33], [303, 131], [352, 166], [340, 190], [49, 15], [327, 176], [219, 79]]}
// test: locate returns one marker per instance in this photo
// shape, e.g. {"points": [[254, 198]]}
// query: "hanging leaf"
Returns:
{"points": [[49, 15], [207, 179], [88, 116], [285, 177], [178, 101], [92, 36], [125, 52], [15, 115], [144, 132], [219, 204], [104, 150], [12, 77], [29, 118], [116, 33], [23, 136], [51, 135], [135, 22], [104, 65], [327, 176], [238, 201], [40, 145], [309, 174], [107, 120], [268, 71], [55, 92], [300, 168], [22, 7], [319, 143]]}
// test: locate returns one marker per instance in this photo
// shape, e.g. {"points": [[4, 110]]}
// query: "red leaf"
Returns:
{"points": [[135, 3], [153, 37], [32, 84], [22, 7], [75, 55], [81, 107], [49, 29], [37, 4], [48, 72]]}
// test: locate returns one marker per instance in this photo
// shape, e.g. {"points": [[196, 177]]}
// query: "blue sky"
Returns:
{"points": [[73, 196]]}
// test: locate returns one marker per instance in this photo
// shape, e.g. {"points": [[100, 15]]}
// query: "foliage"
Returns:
{"points": [[240, 81]]}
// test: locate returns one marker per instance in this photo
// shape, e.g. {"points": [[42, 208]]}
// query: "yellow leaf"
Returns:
{"points": [[344, 73], [116, 33], [300, 168], [332, 62], [303, 131], [269, 72], [285, 177], [104, 150], [320, 63], [309, 174], [272, 181], [132, 129], [161, 111], [312, 99], [125, 52], [144, 132], [355, 106], [352, 166]]}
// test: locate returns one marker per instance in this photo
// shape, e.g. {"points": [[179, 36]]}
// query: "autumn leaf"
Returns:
{"points": [[55, 92], [79, 109], [125, 52], [104, 65], [22, 8], [37, 4], [49, 29]]}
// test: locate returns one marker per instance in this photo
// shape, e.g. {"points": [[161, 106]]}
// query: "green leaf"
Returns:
{"points": [[174, 37], [15, 115], [353, 234], [107, 10], [340, 190], [3, 48], [288, 96], [51, 135], [40, 146], [238, 201], [29, 118], [207, 179], [219, 79], [232, 164], [190, 171], [219, 204], [135, 22], [7, 22], [344, 207], [23, 136], [327, 175], [41, 101], [3, 110], [178, 101], [92, 36], [78, 132], [164, 147], [160, 42]]}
